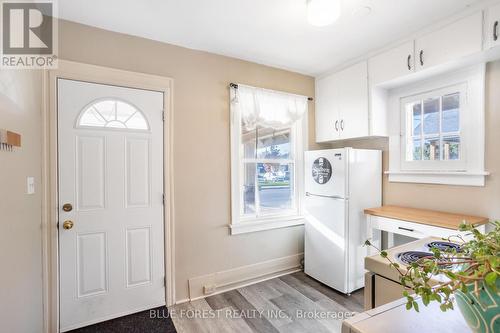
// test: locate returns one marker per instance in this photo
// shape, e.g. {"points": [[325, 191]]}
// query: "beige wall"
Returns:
{"points": [[483, 201], [20, 214], [201, 139]]}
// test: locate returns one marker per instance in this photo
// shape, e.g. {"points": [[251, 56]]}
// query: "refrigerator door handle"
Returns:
{"points": [[308, 194]]}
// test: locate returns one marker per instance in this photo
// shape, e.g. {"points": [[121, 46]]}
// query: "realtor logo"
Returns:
{"points": [[28, 35]]}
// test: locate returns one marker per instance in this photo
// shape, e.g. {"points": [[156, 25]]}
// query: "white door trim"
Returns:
{"points": [[103, 75]]}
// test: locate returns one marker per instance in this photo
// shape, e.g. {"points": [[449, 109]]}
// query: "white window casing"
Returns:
{"points": [[468, 169]]}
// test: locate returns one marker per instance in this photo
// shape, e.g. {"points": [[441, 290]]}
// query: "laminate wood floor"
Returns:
{"points": [[291, 303]]}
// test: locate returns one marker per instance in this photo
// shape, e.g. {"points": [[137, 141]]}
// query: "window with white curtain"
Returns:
{"points": [[267, 144]]}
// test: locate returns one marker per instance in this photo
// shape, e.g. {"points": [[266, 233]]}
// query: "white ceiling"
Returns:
{"points": [[271, 32]]}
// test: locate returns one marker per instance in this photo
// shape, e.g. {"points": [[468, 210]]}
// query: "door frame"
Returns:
{"points": [[50, 237]]}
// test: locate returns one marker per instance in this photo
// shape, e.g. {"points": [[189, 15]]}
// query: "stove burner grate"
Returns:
{"points": [[410, 257], [444, 246]]}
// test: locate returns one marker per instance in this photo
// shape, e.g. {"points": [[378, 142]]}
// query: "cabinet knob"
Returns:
{"points": [[408, 62], [342, 124], [495, 31], [422, 57], [337, 125]]}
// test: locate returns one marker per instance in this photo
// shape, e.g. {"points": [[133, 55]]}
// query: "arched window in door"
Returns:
{"points": [[112, 113]]}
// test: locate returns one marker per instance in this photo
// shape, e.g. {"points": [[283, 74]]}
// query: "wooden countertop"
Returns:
{"points": [[424, 216]]}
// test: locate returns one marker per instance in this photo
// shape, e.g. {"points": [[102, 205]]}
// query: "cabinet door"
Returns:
{"points": [[353, 101], [492, 27], [327, 123], [392, 64], [456, 40]]}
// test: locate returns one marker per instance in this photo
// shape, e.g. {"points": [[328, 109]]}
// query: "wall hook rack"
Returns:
{"points": [[9, 140]]}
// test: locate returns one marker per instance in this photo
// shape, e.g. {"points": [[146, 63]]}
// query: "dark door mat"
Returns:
{"points": [[141, 322]]}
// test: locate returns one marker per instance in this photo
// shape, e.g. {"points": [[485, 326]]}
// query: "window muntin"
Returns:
{"points": [[433, 130], [267, 172], [112, 113]]}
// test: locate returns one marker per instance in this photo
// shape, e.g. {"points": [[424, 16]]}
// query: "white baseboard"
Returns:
{"points": [[223, 281]]}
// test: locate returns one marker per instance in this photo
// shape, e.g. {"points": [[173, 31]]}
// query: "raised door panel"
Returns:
{"points": [[492, 26], [138, 180], [353, 101], [138, 244], [392, 64], [92, 264], [326, 110], [454, 41], [90, 170]]}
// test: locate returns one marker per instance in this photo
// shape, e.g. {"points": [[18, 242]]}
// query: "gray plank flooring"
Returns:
{"points": [[290, 303]]}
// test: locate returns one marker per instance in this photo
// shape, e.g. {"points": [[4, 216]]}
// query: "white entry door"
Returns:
{"points": [[111, 239]]}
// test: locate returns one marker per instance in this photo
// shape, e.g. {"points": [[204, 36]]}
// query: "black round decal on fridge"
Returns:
{"points": [[321, 170]]}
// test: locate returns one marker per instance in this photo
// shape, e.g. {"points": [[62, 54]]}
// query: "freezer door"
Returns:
{"points": [[325, 241], [325, 172]]}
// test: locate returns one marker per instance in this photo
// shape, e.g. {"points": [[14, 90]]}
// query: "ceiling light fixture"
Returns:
{"points": [[321, 13]]}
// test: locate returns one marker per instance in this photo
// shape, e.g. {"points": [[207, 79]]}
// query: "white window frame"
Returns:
{"points": [[469, 170], [435, 165], [242, 224]]}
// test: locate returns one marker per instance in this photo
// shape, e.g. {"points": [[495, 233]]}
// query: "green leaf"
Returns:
{"points": [[367, 243], [405, 293], [409, 305], [443, 307], [446, 291], [415, 305], [436, 252], [425, 299], [383, 254], [490, 278]]}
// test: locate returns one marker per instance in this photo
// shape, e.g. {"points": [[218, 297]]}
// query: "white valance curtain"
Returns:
{"points": [[267, 108]]}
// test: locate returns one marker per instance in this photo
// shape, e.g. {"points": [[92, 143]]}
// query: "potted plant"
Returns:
{"points": [[472, 278]]}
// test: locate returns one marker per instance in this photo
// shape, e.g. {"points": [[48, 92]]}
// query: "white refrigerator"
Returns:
{"points": [[339, 185]]}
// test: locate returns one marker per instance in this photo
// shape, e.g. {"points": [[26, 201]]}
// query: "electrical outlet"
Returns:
{"points": [[209, 289], [30, 185]]}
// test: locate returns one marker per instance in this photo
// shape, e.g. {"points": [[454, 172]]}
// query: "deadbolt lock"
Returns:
{"points": [[67, 207], [68, 224]]}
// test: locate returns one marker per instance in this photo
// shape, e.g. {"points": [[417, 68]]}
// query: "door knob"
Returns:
{"points": [[68, 224], [67, 207]]}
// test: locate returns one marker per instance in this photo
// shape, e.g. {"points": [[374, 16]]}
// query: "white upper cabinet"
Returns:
{"points": [[392, 64], [353, 101], [326, 111], [342, 104], [458, 39], [492, 29]]}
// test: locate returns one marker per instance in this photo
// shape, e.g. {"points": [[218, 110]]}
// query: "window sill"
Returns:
{"points": [[437, 177], [265, 224]]}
